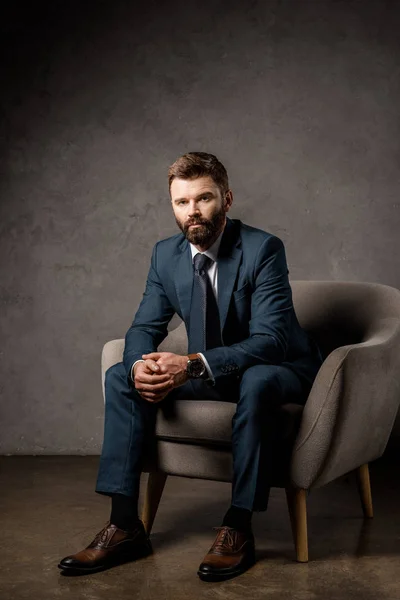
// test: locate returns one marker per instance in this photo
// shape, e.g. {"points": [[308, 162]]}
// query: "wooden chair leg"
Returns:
{"points": [[155, 487], [364, 489], [297, 505]]}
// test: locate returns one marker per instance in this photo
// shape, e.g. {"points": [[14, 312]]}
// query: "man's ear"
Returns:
{"points": [[228, 199]]}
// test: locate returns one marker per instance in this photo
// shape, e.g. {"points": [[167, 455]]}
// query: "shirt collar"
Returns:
{"points": [[212, 251]]}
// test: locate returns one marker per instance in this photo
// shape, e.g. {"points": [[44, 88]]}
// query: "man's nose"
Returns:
{"points": [[193, 209]]}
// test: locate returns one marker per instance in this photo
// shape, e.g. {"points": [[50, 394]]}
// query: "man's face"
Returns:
{"points": [[199, 209]]}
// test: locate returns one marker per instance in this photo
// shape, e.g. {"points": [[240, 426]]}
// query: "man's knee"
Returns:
{"points": [[115, 376], [261, 391], [121, 395], [261, 378], [117, 387]]}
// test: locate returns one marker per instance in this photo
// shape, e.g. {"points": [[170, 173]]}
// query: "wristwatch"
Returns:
{"points": [[195, 367]]}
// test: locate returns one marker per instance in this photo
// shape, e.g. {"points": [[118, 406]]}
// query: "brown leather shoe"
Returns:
{"points": [[110, 547], [231, 554]]}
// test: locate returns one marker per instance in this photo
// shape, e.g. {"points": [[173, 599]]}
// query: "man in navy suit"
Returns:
{"points": [[229, 284]]}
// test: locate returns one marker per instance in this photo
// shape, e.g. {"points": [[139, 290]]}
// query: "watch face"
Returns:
{"points": [[196, 368]]}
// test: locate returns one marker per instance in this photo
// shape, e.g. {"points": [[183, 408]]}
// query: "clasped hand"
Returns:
{"points": [[159, 374]]}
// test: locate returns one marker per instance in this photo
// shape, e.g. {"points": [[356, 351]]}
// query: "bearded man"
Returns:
{"points": [[229, 284]]}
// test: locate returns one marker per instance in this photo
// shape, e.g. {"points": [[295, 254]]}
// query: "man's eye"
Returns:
{"points": [[205, 198]]}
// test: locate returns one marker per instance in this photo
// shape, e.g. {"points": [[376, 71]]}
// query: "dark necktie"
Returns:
{"points": [[204, 326]]}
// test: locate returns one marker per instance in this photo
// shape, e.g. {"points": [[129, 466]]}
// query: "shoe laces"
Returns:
{"points": [[226, 540], [103, 536]]}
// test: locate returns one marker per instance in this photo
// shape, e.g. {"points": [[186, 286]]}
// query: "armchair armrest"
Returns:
{"points": [[351, 408], [111, 355]]}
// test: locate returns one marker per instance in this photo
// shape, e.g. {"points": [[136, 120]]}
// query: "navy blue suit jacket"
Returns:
{"points": [[258, 322]]}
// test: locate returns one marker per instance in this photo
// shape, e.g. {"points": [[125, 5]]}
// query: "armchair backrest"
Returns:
{"points": [[337, 313]]}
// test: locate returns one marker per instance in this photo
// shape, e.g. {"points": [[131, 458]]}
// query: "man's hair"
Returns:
{"points": [[199, 164]]}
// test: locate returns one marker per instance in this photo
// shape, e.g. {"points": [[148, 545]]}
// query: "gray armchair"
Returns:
{"points": [[345, 423]]}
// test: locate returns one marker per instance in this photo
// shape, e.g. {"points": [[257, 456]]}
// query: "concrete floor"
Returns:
{"points": [[48, 509]]}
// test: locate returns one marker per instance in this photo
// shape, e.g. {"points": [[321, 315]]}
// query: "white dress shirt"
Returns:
{"points": [[212, 273]]}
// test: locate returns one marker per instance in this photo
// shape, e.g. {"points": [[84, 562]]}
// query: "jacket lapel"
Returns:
{"points": [[229, 258]]}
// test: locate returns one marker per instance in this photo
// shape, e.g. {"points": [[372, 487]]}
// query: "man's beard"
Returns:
{"points": [[207, 233]]}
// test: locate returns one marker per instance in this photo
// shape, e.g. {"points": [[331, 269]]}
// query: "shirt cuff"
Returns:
{"points": [[133, 367], [210, 375]]}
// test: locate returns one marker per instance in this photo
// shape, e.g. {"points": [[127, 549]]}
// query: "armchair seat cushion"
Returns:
{"points": [[209, 422]]}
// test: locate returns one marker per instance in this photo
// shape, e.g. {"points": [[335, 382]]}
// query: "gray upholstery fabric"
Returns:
{"points": [[351, 409], [337, 313], [188, 460], [112, 354], [209, 421], [196, 422]]}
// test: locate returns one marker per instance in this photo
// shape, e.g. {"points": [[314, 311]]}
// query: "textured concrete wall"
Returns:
{"points": [[300, 100]]}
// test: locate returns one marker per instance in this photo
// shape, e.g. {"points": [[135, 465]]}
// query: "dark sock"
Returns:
{"points": [[124, 512], [238, 518]]}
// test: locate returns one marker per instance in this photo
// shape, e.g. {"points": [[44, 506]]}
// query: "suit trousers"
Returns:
{"points": [[130, 423]]}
